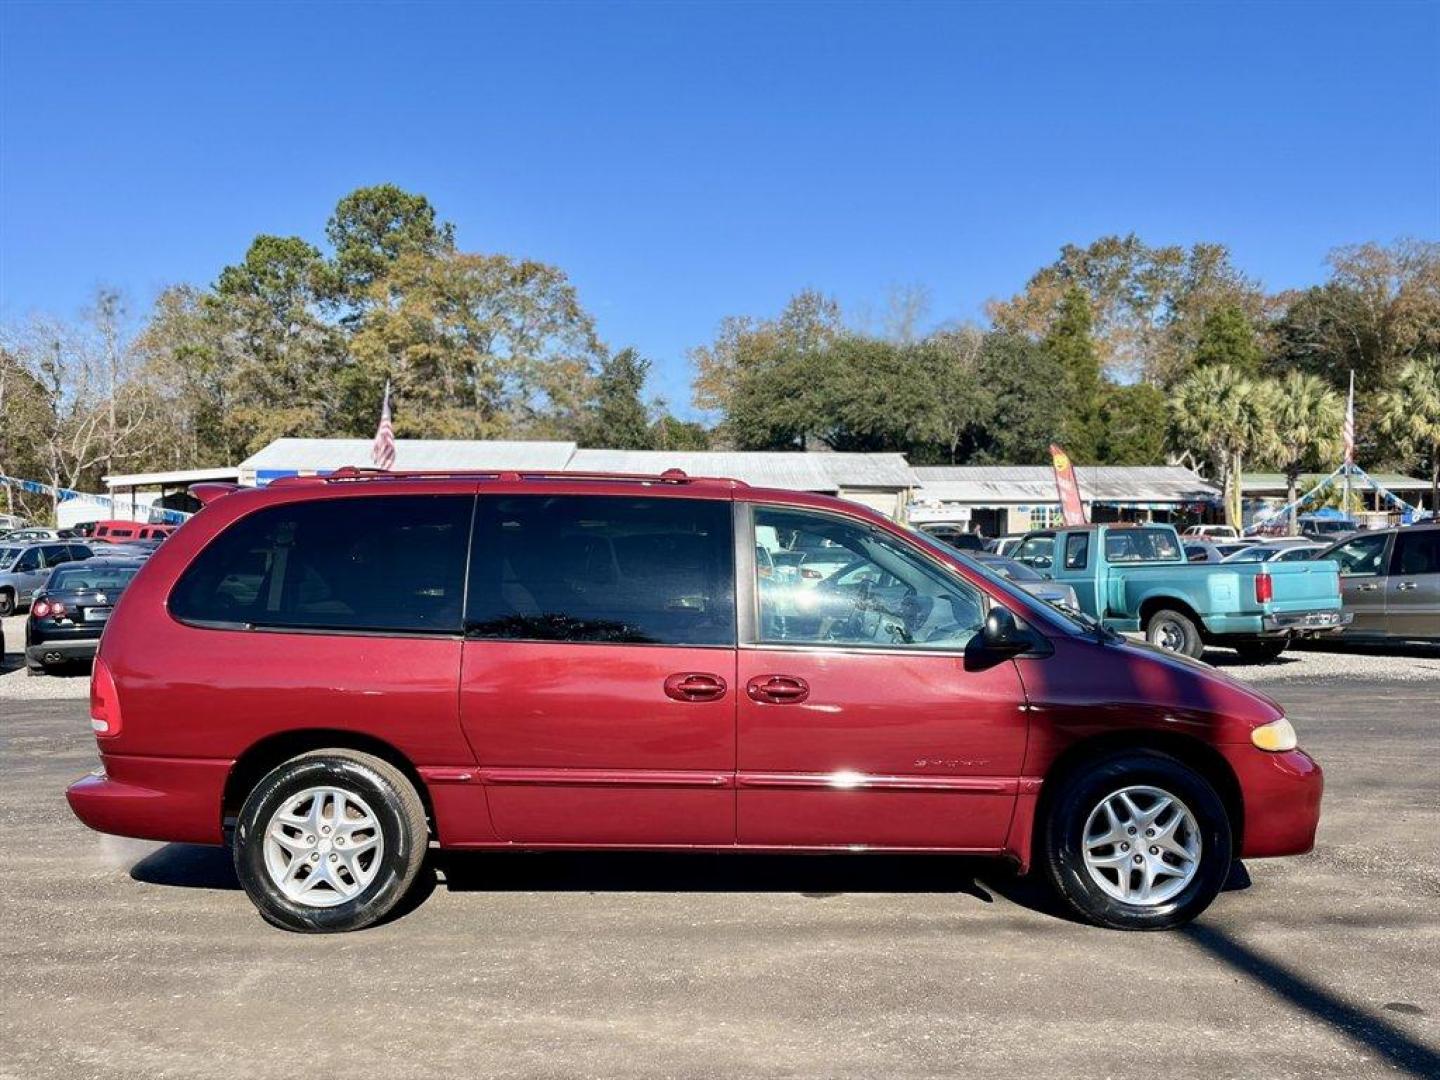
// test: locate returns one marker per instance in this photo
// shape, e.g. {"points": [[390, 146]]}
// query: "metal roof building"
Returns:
{"points": [[1013, 498], [881, 481], [302, 457]]}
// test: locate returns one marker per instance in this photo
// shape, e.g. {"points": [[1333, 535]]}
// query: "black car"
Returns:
{"points": [[68, 612], [956, 536]]}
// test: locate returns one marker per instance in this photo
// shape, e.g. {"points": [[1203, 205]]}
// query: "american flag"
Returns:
{"points": [[1349, 429], [382, 450]]}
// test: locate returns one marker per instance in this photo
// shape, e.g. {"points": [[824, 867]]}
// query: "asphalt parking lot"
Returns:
{"points": [[125, 958]]}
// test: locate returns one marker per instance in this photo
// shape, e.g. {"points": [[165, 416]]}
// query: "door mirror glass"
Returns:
{"points": [[1002, 632]]}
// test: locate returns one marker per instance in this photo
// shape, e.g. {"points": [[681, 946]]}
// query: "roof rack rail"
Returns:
{"points": [[354, 473]]}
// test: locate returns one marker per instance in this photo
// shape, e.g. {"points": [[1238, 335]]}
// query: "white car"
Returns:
{"points": [[1213, 532]]}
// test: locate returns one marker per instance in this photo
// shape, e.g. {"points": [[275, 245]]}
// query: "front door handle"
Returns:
{"points": [[778, 689], [695, 686], [1406, 586], [1372, 587]]}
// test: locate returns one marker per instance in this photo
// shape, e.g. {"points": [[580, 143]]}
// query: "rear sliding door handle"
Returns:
{"points": [[695, 686], [777, 689], [1405, 586]]}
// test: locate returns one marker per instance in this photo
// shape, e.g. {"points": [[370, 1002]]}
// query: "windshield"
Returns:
{"points": [[1022, 603], [1251, 554], [1141, 545], [83, 579]]}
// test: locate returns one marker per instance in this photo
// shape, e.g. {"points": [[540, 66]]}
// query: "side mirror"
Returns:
{"points": [[1001, 633], [999, 639]]}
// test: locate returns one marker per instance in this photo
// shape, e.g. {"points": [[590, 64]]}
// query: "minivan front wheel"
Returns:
{"points": [[1136, 841], [331, 840]]}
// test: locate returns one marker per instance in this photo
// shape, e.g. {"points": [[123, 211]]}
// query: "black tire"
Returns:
{"points": [[36, 669], [1061, 850], [7, 603], [1261, 652], [397, 808], [1174, 631]]}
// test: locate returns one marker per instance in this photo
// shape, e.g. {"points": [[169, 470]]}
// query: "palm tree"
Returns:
{"points": [[1410, 414], [1226, 418], [1307, 422]]}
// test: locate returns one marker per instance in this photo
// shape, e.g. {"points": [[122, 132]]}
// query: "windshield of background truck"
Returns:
{"points": [[1142, 545]]}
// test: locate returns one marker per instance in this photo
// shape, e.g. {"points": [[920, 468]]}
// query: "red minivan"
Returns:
{"points": [[333, 673]]}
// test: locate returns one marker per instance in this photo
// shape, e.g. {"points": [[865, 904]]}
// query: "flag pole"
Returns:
{"points": [[1349, 444]]}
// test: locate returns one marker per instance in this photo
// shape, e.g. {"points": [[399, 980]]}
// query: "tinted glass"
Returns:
{"points": [[373, 563], [8, 555], [1077, 551], [883, 594], [1417, 553], [79, 578], [1361, 555], [603, 569]]}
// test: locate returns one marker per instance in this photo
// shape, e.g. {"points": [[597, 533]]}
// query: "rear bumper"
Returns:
{"points": [[1281, 793], [51, 652], [1308, 621], [176, 799]]}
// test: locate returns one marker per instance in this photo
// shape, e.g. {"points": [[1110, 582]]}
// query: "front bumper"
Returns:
{"points": [[175, 799], [1281, 795]]}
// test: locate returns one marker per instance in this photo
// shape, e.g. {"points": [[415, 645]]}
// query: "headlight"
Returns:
{"points": [[1277, 735]]}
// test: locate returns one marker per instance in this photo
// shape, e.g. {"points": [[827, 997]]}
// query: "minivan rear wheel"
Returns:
{"points": [[331, 840], [1136, 841]]}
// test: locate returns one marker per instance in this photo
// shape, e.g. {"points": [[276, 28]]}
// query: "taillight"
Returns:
{"points": [[1264, 588], [104, 702], [812, 574], [57, 608], [39, 609]]}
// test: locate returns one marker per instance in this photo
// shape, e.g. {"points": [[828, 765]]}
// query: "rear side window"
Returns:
{"points": [[602, 569], [1077, 551], [1417, 553], [382, 563]]}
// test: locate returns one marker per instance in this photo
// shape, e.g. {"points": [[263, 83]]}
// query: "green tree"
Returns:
{"points": [[672, 433], [1227, 336], [1069, 344], [1026, 389], [1134, 419], [372, 227], [1410, 414], [1224, 418], [476, 346], [1306, 425], [617, 417]]}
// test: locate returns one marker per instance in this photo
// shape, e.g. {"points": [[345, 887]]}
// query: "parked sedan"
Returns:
{"points": [[1390, 582], [1275, 553], [1033, 582], [1202, 551], [69, 612], [25, 566]]}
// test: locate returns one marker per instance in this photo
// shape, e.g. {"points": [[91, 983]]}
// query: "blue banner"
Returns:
{"points": [[60, 494]]}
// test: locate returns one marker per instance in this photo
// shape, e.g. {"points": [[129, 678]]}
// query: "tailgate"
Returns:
{"points": [[1304, 586]]}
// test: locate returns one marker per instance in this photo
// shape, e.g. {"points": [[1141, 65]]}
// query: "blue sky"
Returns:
{"points": [[684, 162]]}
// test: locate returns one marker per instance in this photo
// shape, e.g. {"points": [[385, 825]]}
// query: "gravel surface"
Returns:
{"points": [[132, 959]]}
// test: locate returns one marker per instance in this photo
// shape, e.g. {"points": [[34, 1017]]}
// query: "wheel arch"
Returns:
{"points": [[259, 758], [1189, 751], [1159, 601]]}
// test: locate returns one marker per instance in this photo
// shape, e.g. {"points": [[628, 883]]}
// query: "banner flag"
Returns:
{"points": [[1071, 505]]}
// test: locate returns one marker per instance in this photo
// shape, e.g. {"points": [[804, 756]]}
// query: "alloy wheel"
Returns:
{"points": [[323, 847], [1142, 846]]}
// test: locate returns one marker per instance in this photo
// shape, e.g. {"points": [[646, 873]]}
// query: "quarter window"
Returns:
{"points": [[595, 568], [835, 582], [380, 563]]}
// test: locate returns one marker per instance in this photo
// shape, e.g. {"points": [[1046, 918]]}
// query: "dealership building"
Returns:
{"points": [[1000, 499]]}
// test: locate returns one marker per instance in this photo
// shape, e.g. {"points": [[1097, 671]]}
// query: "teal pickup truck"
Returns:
{"points": [[1135, 577]]}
